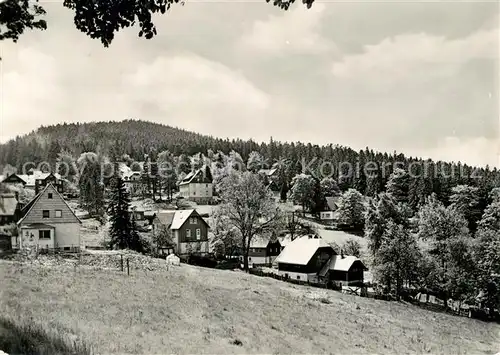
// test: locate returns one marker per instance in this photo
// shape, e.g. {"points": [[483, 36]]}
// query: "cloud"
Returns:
{"points": [[196, 93], [403, 80], [478, 150], [293, 32], [416, 56]]}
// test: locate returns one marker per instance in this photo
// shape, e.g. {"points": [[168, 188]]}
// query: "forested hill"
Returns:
{"points": [[136, 138]]}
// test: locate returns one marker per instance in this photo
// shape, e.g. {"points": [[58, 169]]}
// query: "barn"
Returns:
{"points": [[303, 258], [346, 269]]}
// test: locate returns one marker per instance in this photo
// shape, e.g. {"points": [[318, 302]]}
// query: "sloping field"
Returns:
{"points": [[190, 310]]}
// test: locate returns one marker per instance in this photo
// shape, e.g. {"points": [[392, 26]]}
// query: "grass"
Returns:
{"points": [[26, 337], [194, 310]]}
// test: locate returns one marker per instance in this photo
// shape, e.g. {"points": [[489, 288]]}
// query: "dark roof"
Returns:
{"points": [[198, 176], [8, 204], [332, 203]]}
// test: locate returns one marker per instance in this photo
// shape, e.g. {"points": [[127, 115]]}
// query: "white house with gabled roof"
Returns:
{"points": [[197, 186], [48, 222]]}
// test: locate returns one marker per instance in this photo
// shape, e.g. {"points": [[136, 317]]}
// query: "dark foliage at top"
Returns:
{"points": [[98, 19]]}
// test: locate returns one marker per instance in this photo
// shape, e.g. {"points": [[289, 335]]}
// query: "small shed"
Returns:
{"points": [[344, 268], [173, 259]]}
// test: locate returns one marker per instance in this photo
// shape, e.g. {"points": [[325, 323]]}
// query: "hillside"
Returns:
{"points": [[194, 310], [136, 138]]}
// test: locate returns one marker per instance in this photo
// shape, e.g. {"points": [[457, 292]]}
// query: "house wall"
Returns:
{"points": [[257, 252], [297, 275], [200, 224], [196, 191], [258, 260], [44, 203], [200, 190], [41, 183], [193, 247], [274, 249], [327, 215], [28, 237]]}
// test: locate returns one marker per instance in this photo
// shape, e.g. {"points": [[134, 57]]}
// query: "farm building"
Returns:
{"points": [[263, 251], [304, 258], [345, 269]]}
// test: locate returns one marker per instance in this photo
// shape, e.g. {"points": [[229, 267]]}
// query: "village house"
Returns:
{"points": [[329, 214], [48, 222], [197, 186], [303, 258], [131, 179], [12, 179], [10, 208], [189, 231], [262, 251], [345, 269], [44, 179]]}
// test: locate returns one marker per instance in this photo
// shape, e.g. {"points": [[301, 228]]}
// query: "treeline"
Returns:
{"points": [[365, 170]]}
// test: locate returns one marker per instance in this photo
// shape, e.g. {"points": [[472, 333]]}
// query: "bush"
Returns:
{"points": [[200, 260]]}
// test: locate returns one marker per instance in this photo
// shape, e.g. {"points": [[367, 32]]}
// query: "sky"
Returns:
{"points": [[421, 78]]}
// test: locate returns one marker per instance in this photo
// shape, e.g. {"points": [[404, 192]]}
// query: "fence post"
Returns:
{"points": [[128, 268], [121, 262]]}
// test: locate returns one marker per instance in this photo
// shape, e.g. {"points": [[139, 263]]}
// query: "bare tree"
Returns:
{"points": [[249, 207]]}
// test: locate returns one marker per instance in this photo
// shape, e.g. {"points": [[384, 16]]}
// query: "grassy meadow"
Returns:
{"points": [[193, 310]]}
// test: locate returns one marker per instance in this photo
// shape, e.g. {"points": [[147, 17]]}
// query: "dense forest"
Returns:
{"points": [[137, 138]]}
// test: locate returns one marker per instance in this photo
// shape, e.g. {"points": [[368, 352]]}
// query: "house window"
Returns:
{"points": [[44, 234], [46, 214], [50, 195], [198, 233], [192, 220], [58, 214], [188, 233], [206, 185], [298, 277]]}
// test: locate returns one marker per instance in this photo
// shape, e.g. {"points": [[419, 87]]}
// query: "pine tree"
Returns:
{"points": [[398, 185], [123, 233], [465, 199]]}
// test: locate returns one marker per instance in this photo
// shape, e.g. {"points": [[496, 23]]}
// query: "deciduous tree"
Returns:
{"points": [[248, 206], [351, 211]]}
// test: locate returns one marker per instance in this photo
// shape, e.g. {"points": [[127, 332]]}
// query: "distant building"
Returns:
{"points": [[189, 231], [43, 179], [262, 251], [48, 222], [197, 186], [329, 214], [311, 258], [10, 209], [303, 258], [36, 180], [132, 179], [12, 179], [346, 269]]}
